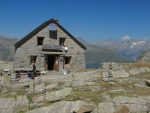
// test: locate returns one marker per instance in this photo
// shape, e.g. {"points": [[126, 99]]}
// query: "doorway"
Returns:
{"points": [[51, 62]]}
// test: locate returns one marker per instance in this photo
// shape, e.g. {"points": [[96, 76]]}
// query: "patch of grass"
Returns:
{"points": [[138, 64], [47, 103], [87, 96], [116, 94], [21, 111], [142, 76], [141, 91]]}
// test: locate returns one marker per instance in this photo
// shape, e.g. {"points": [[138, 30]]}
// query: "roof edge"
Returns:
{"points": [[42, 26]]}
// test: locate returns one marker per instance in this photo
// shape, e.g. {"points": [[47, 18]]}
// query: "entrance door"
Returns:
{"points": [[51, 62]]}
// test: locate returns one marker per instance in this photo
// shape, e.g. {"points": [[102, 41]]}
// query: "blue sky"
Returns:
{"points": [[91, 19]]}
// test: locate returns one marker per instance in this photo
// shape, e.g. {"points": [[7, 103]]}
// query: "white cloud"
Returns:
{"points": [[126, 38]]}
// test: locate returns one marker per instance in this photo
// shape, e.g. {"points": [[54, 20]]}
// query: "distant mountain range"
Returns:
{"points": [[118, 50], [124, 49], [130, 49], [95, 55]]}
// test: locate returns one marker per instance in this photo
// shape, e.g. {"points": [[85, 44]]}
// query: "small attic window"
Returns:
{"points": [[40, 40], [53, 31], [52, 27]]}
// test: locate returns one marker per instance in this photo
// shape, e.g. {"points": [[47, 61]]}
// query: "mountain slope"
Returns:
{"points": [[7, 48], [96, 55]]}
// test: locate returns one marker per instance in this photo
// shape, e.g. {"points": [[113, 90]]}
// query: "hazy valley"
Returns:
{"points": [[117, 50]]}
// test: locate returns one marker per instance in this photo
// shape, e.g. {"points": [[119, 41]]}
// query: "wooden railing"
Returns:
{"points": [[52, 47]]}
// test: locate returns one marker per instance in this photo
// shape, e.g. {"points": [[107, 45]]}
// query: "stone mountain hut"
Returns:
{"points": [[51, 47]]}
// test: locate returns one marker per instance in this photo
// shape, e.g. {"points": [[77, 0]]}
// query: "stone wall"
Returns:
{"points": [[30, 48], [75, 51]]}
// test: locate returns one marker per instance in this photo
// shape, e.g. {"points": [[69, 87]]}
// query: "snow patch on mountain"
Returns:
{"points": [[137, 43]]}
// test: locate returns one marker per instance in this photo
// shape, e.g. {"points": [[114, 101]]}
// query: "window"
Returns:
{"points": [[52, 26], [53, 31], [53, 34], [67, 59], [61, 41], [33, 59], [40, 40]]}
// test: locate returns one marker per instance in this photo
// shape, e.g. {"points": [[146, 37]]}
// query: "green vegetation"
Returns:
{"points": [[29, 97], [87, 95]]}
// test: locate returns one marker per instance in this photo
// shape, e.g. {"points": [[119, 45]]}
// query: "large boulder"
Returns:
{"points": [[119, 73], [51, 79], [134, 104], [113, 70], [148, 82], [21, 101], [7, 105], [85, 78], [135, 71], [51, 86], [105, 108], [66, 107], [124, 104], [21, 104]]}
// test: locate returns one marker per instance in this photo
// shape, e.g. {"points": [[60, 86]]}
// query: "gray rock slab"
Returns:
{"points": [[65, 107], [52, 86], [134, 71], [135, 104], [105, 108], [119, 73], [58, 95], [7, 105], [21, 101], [39, 88]]}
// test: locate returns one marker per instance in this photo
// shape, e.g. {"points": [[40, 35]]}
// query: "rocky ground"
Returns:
{"points": [[114, 88]]}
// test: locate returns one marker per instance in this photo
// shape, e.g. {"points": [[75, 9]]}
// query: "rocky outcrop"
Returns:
{"points": [[134, 104], [58, 95], [7, 105], [66, 107], [147, 82], [51, 86], [124, 105], [104, 108], [137, 71], [84, 92], [119, 73], [120, 104], [146, 57], [11, 105], [113, 70]]}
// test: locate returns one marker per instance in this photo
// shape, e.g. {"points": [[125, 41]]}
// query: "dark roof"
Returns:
{"points": [[42, 26]]}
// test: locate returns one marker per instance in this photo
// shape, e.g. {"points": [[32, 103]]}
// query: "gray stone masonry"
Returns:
{"points": [[30, 48]]}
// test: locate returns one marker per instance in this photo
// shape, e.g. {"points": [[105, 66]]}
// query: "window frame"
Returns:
{"points": [[68, 59], [40, 39], [33, 59], [62, 39]]}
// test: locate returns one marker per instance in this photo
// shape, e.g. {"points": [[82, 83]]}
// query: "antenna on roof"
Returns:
{"points": [[55, 19]]}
